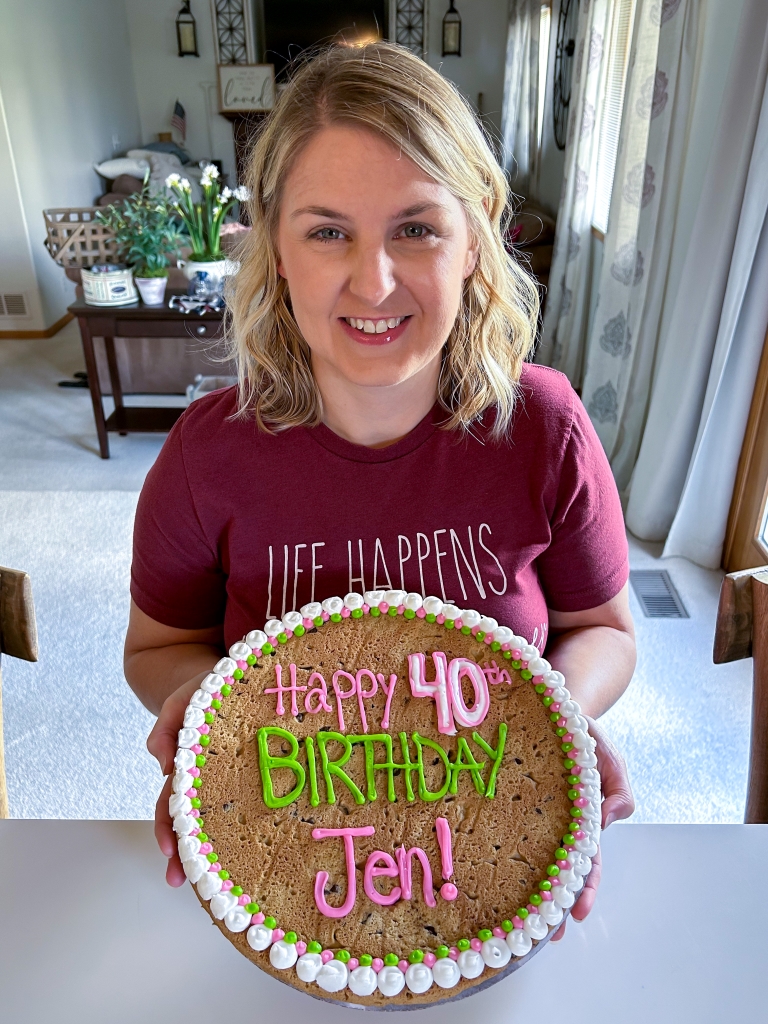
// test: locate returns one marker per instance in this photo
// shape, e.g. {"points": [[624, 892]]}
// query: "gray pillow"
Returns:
{"points": [[168, 147]]}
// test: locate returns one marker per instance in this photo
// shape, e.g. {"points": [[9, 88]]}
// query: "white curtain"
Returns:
{"points": [[686, 466], [623, 337], [519, 121], [563, 333]]}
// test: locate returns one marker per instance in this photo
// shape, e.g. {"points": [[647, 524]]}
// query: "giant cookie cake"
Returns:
{"points": [[384, 799]]}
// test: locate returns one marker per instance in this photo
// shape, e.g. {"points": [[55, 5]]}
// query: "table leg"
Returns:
{"points": [[93, 385], [114, 376]]}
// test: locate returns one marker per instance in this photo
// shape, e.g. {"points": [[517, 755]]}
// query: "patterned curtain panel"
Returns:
{"points": [[623, 337], [521, 94], [564, 331]]}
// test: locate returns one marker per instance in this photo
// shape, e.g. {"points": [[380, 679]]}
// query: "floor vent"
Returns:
{"points": [[657, 595], [13, 305]]}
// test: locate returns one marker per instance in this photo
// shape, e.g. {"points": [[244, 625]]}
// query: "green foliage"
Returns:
{"points": [[147, 232], [203, 220]]}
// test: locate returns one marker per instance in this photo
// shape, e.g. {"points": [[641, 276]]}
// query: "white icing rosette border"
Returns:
{"points": [[365, 976]]}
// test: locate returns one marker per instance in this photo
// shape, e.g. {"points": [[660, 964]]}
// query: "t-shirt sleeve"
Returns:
{"points": [[587, 561], [176, 575]]}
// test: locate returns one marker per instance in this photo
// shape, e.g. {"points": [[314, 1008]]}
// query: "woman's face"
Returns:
{"points": [[375, 254]]}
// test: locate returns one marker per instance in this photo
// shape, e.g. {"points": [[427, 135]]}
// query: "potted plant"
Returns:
{"points": [[203, 222], [148, 237]]}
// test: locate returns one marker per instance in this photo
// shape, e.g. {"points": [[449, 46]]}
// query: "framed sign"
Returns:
{"points": [[246, 87]]}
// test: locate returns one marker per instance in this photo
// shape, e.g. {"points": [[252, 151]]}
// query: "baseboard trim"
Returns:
{"points": [[30, 335]]}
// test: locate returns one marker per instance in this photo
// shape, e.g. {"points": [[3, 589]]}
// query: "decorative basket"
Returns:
{"points": [[76, 240]]}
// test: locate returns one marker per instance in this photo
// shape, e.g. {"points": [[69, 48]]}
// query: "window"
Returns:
{"points": [[623, 16], [545, 21]]}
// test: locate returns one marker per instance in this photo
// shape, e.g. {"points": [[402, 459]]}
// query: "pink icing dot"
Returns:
{"points": [[277, 934], [517, 922], [326, 955], [289, 633], [215, 867], [195, 831], [537, 680], [191, 792], [301, 947], [499, 932], [196, 748], [216, 696], [505, 647], [561, 722], [546, 896], [516, 652], [531, 909], [383, 607], [548, 692], [562, 864], [430, 959], [205, 848], [272, 640], [194, 772], [524, 664], [420, 613], [308, 623], [345, 613], [576, 770], [578, 785], [257, 918], [449, 891], [244, 901], [366, 608], [325, 616], [400, 609], [488, 639], [440, 619], [554, 707], [568, 738], [229, 679], [377, 963], [581, 801], [403, 965], [453, 953], [242, 665], [580, 834], [474, 630], [458, 623], [259, 653], [204, 729], [555, 881], [227, 884], [352, 963], [476, 944]]}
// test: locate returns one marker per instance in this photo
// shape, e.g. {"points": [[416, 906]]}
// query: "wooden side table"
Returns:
{"points": [[134, 321]]}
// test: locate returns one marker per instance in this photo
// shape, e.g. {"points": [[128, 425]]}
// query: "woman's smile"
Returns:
{"points": [[381, 331]]}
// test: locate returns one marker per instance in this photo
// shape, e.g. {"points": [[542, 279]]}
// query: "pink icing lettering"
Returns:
{"points": [[320, 691], [469, 718], [390, 694], [496, 675], [444, 842], [390, 870], [437, 689], [342, 694], [404, 857], [362, 694], [347, 835], [293, 689]]}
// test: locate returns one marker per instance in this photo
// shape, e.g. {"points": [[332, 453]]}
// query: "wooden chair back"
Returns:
{"points": [[742, 632], [18, 639]]}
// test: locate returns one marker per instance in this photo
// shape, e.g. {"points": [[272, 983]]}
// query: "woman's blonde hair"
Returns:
{"points": [[385, 89]]}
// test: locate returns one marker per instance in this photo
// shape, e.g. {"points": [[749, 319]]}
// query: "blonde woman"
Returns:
{"points": [[386, 431]]}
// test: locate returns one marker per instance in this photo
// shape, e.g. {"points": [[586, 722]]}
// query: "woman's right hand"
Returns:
{"points": [[162, 743]]}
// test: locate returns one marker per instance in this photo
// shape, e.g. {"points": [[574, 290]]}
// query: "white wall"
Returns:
{"points": [[66, 83], [162, 77]]}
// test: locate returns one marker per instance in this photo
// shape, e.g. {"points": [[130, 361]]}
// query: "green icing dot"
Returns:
{"points": [[366, 960], [199, 822], [566, 747], [251, 659], [573, 779], [357, 613], [202, 837], [343, 954], [216, 704], [449, 624], [270, 922], [318, 621], [575, 812], [569, 840], [314, 947], [485, 933], [466, 630], [553, 870], [205, 741], [507, 655], [441, 952], [546, 701], [431, 617], [507, 925], [291, 938], [299, 631], [200, 760], [536, 900], [540, 688], [391, 960], [409, 613], [282, 638], [224, 875], [545, 886], [554, 716], [463, 944], [392, 610], [197, 783], [517, 663], [209, 718], [236, 890], [416, 956], [561, 731], [574, 826], [495, 646], [479, 636], [561, 854], [522, 913], [375, 612], [267, 648], [526, 674], [226, 689], [337, 618], [196, 801], [237, 674], [573, 794], [568, 763], [252, 908]]}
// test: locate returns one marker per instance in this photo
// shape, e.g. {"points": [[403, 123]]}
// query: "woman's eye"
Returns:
{"points": [[328, 234], [415, 231]]}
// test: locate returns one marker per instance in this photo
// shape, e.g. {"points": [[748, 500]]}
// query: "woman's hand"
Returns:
{"points": [[162, 743], [618, 803]]}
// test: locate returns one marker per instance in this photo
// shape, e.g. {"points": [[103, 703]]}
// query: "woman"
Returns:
{"points": [[386, 432]]}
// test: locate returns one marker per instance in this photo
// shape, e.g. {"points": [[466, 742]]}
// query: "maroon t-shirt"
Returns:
{"points": [[238, 526]]}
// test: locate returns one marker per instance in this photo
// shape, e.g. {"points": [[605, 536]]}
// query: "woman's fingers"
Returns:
{"points": [[166, 837], [618, 801], [163, 739], [586, 901]]}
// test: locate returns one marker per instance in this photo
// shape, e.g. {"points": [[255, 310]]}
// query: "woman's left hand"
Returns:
{"points": [[618, 803]]}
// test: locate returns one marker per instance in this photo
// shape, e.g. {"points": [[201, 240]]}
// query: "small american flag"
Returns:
{"points": [[179, 120]]}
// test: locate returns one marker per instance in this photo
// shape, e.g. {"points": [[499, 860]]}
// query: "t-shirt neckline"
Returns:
{"points": [[337, 445]]}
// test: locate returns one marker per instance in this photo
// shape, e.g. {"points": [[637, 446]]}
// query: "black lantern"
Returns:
{"points": [[452, 33], [186, 32]]}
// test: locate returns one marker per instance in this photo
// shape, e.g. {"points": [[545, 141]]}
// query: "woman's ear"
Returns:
{"points": [[473, 254]]}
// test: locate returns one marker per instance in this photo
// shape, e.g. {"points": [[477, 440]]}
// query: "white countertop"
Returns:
{"points": [[90, 933]]}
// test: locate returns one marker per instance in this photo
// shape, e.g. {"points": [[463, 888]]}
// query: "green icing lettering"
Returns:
{"points": [[372, 766], [268, 763], [424, 793], [331, 768], [496, 755], [408, 765], [314, 796], [466, 762]]}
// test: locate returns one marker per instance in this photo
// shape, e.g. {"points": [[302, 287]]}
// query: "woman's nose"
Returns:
{"points": [[372, 276]]}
